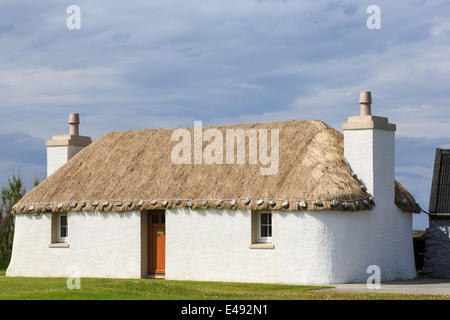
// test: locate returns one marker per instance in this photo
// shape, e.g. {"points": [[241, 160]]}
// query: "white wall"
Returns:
{"points": [[101, 244], [371, 155], [318, 247], [59, 155], [214, 245], [310, 247]]}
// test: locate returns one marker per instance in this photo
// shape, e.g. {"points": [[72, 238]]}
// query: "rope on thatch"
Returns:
{"points": [[249, 203], [404, 200]]}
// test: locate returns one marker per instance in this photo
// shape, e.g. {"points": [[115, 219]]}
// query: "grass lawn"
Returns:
{"points": [[150, 289]]}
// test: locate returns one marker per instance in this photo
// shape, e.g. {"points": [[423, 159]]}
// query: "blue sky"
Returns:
{"points": [[156, 64]]}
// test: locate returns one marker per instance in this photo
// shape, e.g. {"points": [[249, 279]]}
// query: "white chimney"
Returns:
{"points": [[385, 231], [369, 147], [63, 147]]}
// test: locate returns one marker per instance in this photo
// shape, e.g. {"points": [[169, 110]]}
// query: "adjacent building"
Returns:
{"points": [[437, 236]]}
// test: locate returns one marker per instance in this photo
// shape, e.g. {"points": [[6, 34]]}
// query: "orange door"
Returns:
{"points": [[157, 242]]}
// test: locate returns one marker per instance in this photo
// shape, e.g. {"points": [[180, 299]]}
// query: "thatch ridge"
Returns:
{"points": [[132, 170]]}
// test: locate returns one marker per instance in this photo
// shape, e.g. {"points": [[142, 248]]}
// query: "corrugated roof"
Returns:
{"points": [[440, 187]]}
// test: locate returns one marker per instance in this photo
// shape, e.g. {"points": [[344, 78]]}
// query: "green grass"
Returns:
{"points": [[137, 289], [22, 288]]}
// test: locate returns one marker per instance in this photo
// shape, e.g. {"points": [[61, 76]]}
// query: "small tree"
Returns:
{"points": [[10, 195]]}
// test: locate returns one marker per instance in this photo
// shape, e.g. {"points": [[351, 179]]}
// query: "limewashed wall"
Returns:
{"points": [[317, 247], [309, 247], [101, 244]]}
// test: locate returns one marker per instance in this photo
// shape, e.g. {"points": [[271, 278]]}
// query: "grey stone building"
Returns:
{"points": [[437, 241]]}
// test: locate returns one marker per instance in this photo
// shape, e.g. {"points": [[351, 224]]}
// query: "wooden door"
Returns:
{"points": [[156, 242]]}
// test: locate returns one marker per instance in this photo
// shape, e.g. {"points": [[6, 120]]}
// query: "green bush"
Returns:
{"points": [[4, 262]]}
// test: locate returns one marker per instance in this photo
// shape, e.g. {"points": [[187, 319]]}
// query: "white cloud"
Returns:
{"points": [[421, 121], [418, 171], [442, 28]]}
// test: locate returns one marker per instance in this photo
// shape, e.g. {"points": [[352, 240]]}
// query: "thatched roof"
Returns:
{"points": [[133, 170]]}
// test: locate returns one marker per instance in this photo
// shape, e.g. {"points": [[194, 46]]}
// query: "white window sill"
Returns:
{"points": [[262, 246], [59, 245]]}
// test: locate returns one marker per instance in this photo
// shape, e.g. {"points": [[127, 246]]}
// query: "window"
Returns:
{"points": [[62, 228], [158, 217], [60, 231], [262, 226]]}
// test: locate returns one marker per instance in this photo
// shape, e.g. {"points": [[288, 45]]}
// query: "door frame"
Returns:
{"points": [[152, 229]]}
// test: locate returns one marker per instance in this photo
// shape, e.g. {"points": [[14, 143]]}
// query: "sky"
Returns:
{"points": [[167, 63]]}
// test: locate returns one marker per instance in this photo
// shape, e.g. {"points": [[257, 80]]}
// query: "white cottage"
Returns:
{"points": [[164, 202]]}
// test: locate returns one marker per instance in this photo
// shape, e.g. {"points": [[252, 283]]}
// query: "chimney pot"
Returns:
{"points": [[74, 121], [365, 100]]}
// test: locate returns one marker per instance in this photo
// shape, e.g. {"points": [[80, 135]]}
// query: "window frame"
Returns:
{"points": [[59, 237], [256, 224], [259, 237], [56, 241]]}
